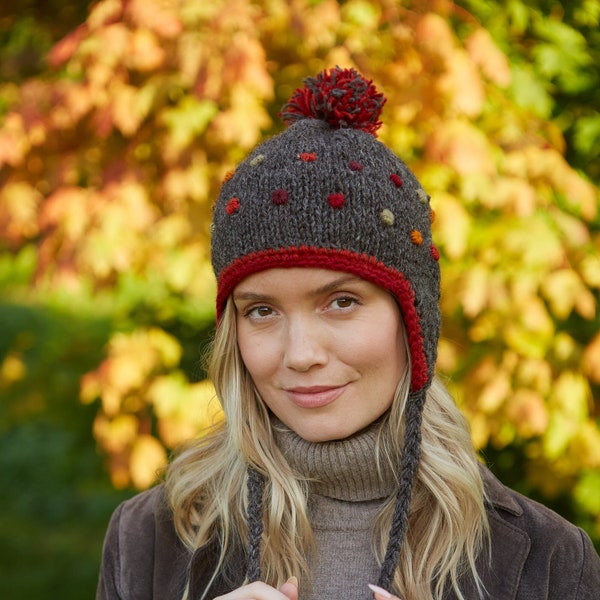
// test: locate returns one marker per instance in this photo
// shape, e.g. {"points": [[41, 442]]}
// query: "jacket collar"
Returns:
{"points": [[499, 496], [501, 568]]}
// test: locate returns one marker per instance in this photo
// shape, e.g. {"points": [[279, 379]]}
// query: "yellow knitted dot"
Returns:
{"points": [[423, 196], [257, 160], [387, 216]]}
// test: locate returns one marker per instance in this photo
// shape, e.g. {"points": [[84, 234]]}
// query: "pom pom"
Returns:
{"points": [[343, 98]]}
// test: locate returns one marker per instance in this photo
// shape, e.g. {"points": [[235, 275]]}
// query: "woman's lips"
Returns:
{"points": [[314, 396]]}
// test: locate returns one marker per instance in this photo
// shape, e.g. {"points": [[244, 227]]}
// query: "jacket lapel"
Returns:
{"points": [[202, 567], [510, 545]]}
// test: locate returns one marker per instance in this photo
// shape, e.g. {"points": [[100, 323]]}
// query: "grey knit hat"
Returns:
{"points": [[326, 193]]}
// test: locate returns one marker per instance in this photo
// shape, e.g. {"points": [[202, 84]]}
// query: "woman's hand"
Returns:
{"points": [[262, 591], [381, 594]]}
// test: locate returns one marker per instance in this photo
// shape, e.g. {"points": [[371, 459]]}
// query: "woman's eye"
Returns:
{"points": [[344, 302], [257, 312]]}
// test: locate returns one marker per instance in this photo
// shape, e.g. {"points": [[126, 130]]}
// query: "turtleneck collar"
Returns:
{"points": [[341, 469]]}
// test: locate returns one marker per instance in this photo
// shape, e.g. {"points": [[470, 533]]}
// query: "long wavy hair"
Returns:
{"points": [[206, 486]]}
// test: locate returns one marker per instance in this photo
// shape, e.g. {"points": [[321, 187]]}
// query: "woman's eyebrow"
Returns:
{"points": [[253, 296], [335, 284], [330, 286]]}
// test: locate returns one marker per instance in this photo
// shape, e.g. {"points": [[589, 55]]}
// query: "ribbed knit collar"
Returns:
{"points": [[342, 469]]}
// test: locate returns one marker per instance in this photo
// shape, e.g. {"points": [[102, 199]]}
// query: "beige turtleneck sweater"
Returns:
{"points": [[345, 494]]}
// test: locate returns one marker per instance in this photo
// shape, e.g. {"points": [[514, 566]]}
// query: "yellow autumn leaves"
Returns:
{"points": [[138, 382]]}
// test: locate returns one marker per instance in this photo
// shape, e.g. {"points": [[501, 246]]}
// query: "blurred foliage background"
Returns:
{"points": [[119, 119]]}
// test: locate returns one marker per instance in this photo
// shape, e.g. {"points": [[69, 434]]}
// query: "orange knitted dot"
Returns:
{"points": [[416, 237], [431, 215], [229, 176], [308, 156]]}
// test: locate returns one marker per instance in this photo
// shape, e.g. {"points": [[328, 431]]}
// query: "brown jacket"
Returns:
{"points": [[536, 555]]}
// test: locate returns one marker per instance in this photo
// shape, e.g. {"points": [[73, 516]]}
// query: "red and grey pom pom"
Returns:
{"points": [[343, 98]]}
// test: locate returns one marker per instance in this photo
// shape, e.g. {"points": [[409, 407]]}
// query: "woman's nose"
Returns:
{"points": [[304, 344]]}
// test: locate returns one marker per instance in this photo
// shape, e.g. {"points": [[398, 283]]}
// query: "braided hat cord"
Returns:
{"points": [[255, 523], [410, 463]]}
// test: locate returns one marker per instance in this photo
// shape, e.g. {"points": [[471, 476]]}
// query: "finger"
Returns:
{"points": [[381, 594], [255, 591], [290, 588]]}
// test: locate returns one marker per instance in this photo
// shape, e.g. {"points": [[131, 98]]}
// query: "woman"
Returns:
{"points": [[343, 468]]}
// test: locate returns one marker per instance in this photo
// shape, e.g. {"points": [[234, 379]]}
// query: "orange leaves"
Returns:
{"points": [[98, 234], [65, 49], [461, 81], [130, 106], [488, 57], [591, 359], [463, 147], [14, 144], [463, 84], [145, 52], [433, 32], [155, 15], [104, 13], [19, 204]]}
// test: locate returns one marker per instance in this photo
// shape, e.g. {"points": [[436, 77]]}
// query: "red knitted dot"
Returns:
{"points": [[232, 206], [308, 156], [280, 197], [435, 253], [396, 179], [336, 200], [355, 166]]}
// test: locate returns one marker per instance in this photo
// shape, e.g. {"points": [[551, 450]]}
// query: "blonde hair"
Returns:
{"points": [[206, 486]]}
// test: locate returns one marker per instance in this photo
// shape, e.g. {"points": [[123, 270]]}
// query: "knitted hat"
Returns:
{"points": [[326, 193]]}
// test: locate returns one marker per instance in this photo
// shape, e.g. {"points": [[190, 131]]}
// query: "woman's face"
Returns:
{"points": [[325, 349]]}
